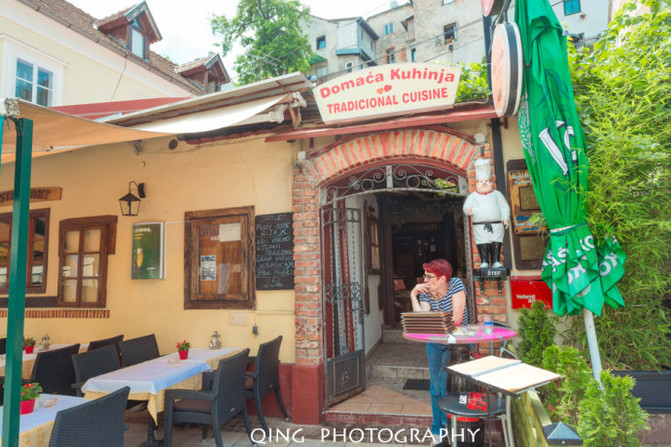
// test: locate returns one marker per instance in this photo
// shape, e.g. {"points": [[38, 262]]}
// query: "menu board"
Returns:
{"points": [[274, 251]]}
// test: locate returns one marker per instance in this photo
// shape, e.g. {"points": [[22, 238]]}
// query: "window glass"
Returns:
{"points": [[92, 240], [44, 87], [450, 33], [89, 290], [413, 55], [389, 28], [69, 291], [571, 7], [71, 241], [137, 43], [36, 256], [321, 42]]}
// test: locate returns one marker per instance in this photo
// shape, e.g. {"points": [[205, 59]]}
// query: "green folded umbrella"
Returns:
{"points": [[581, 272]]}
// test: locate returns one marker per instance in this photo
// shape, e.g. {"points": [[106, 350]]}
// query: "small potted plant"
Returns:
{"points": [[29, 345], [29, 392], [183, 349]]}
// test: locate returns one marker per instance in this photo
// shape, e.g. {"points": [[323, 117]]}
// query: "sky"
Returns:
{"points": [[185, 25]]}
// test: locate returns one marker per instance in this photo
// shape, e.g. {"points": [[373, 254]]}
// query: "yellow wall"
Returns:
{"points": [[217, 175]]}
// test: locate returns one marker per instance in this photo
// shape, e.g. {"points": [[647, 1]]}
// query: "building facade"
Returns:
{"points": [[54, 54]]}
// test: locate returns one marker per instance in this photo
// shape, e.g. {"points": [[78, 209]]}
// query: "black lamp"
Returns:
{"points": [[130, 203]]}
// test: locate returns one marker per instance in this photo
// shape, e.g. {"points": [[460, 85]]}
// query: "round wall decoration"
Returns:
{"points": [[506, 70], [491, 7]]}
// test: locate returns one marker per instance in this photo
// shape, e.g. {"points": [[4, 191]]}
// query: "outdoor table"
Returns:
{"points": [[470, 337], [149, 380], [35, 428], [29, 359], [510, 377]]}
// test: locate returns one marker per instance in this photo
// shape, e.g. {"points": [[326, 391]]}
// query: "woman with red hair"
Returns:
{"points": [[439, 292]]}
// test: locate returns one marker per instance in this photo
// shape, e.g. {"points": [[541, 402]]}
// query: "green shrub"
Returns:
{"points": [[563, 399], [537, 331], [611, 416]]}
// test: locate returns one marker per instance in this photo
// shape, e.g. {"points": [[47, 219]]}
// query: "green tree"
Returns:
{"points": [[623, 94], [270, 32]]}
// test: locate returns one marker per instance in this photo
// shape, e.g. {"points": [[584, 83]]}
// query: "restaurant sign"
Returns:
{"points": [[392, 89], [36, 195]]}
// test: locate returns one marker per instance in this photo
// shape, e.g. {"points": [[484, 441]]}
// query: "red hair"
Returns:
{"points": [[439, 267]]}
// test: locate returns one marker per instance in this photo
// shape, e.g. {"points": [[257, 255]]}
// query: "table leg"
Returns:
{"points": [[151, 440], [509, 423]]}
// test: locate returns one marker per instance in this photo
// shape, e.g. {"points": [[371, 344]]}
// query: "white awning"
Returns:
{"points": [[57, 131], [239, 114]]}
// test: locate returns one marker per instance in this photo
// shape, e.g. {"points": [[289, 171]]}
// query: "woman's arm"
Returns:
{"points": [[458, 307], [416, 305]]}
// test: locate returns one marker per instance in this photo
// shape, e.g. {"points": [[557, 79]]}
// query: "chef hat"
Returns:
{"points": [[482, 169]]}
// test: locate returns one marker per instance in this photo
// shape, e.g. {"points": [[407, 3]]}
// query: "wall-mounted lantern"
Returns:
{"points": [[130, 203]]}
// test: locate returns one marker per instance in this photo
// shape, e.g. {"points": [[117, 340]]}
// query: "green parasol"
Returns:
{"points": [[581, 272]]}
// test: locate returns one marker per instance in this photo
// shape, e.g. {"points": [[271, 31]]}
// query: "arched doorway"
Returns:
{"points": [[372, 174]]}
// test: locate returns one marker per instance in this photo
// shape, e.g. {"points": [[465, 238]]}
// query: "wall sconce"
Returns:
{"points": [[130, 203]]}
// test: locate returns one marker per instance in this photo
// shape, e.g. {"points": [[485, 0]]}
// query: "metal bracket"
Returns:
{"points": [[491, 274]]}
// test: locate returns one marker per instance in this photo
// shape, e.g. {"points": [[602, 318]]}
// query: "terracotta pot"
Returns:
{"points": [[30, 349], [183, 354], [27, 406]]}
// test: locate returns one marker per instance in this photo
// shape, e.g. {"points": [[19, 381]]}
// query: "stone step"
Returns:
{"points": [[400, 373]]}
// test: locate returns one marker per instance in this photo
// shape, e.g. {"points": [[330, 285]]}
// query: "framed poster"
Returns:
{"points": [[147, 259]]}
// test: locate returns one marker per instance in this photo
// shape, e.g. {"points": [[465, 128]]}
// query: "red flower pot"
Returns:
{"points": [[29, 350], [183, 354], [27, 406]]}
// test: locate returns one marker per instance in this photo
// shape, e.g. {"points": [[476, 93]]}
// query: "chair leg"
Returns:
{"points": [[204, 431], [257, 402], [167, 426], [279, 401], [216, 431], [245, 419]]}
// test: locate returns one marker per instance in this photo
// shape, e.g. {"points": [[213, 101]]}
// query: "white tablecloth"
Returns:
{"points": [[150, 377], [35, 428]]}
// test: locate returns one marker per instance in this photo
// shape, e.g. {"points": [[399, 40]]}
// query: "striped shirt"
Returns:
{"points": [[445, 303]]}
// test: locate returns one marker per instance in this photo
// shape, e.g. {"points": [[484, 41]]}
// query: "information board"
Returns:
{"points": [[274, 251]]}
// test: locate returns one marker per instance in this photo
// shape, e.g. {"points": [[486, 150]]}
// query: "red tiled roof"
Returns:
{"points": [[80, 21]]}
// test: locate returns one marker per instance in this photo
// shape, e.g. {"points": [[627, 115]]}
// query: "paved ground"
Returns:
{"points": [[283, 434]]}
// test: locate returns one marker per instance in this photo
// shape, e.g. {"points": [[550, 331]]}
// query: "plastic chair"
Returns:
{"points": [[484, 406], [222, 399], [94, 363], [265, 378], [138, 350], [98, 422], [95, 344], [54, 370]]}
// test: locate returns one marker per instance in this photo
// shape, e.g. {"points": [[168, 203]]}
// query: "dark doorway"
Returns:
{"points": [[418, 227]]}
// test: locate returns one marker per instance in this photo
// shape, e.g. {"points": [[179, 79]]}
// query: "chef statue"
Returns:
{"points": [[490, 215]]}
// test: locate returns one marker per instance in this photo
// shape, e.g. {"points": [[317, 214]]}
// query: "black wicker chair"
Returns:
{"points": [[94, 363], [95, 344], [222, 399], [138, 350], [265, 378], [54, 370], [3, 345], [95, 423]]}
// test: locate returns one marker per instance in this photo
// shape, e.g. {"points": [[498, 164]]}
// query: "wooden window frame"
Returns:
{"points": [[246, 299], [107, 225], [372, 249], [522, 262], [39, 213]]}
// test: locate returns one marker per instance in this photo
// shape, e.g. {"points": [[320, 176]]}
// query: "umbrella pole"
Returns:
{"points": [[592, 344]]}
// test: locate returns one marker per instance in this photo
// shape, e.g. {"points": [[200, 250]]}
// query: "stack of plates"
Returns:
{"points": [[437, 323]]}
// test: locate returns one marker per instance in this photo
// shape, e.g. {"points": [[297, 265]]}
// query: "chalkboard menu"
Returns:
{"points": [[274, 251]]}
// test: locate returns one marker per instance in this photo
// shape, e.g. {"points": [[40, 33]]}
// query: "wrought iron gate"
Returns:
{"points": [[343, 302]]}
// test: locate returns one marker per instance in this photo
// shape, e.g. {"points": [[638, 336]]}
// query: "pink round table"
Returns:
{"points": [[499, 334]]}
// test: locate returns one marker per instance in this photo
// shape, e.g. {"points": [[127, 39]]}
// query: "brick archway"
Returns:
{"points": [[427, 146]]}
